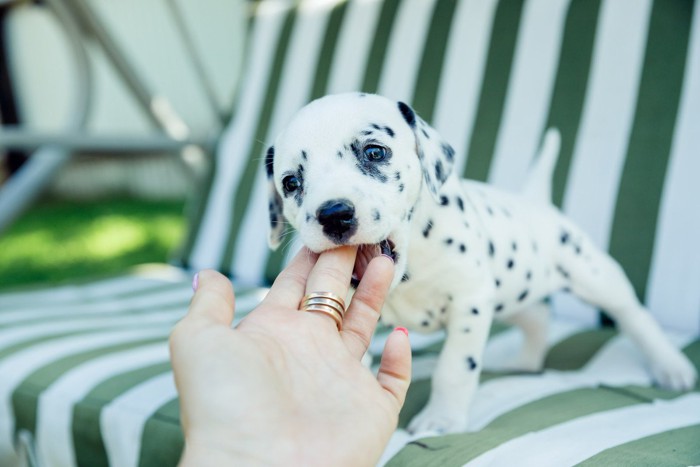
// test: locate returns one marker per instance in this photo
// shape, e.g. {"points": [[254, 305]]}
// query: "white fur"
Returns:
{"points": [[463, 263]]}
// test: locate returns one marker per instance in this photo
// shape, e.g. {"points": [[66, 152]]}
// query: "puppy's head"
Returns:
{"points": [[348, 170]]}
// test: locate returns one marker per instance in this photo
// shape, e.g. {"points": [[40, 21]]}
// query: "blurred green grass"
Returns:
{"points": [[62, 241]]}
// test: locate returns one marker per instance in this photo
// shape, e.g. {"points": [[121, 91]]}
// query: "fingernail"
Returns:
{"points": [[403, 330], [195, 282], [387, 256]]}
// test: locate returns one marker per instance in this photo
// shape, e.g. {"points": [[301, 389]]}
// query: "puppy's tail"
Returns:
{"points": [[538, 185]]}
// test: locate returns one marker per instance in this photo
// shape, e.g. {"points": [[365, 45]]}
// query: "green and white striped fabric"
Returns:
{"points": [[84, 372], [619, 78]]}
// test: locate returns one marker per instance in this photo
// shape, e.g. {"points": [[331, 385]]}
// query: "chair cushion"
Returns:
{"points": [[620, 79], [86, 381]]}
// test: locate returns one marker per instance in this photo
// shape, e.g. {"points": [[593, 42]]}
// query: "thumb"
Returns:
{"points": [[395, 368], [213, 298]]}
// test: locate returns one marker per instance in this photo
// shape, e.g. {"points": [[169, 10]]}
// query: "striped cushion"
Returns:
{"points": [[619, 78], [86, 381]]}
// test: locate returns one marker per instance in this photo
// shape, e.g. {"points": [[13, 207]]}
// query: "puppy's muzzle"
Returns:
{"points": [[337, 217]]}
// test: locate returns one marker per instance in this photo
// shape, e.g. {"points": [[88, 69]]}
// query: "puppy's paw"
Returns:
{"points": [[675, 372], [438, 420]]}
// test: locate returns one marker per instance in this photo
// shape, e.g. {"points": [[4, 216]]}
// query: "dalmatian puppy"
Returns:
{"points": [[360, 169]]}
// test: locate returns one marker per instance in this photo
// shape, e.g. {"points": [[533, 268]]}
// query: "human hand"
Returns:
{"points": [[285, 387]]}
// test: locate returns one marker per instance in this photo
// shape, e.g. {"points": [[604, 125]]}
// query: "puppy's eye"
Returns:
{"points": [[374, 153], [290, 183]]}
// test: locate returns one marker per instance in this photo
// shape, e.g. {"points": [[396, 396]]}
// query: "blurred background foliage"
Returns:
{"points": [[59, 241]]}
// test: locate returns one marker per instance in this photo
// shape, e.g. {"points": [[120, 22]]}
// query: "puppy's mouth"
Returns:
{"points": [[366, 253]]}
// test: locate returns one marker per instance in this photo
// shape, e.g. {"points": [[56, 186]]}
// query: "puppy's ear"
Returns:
{"points": [[435, 155], [277, 220]]}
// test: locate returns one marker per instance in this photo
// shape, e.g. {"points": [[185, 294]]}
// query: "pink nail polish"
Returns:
{"points": [[195, 282], [403, 330]]}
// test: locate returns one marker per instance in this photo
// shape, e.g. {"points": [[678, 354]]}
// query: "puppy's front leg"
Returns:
{"points": [[457, 373]]}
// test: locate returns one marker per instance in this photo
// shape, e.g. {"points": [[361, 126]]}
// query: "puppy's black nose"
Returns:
{"points": [[338, 219]]}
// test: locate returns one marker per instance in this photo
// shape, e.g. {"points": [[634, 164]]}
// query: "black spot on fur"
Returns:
{"points": [[269, 156], [401, 187], [577, 249], [528, 275], [492, 249], [406, 277], [304, 155], [440, 173], [499, 307], [427, 229], [523, 295], [564, 237], [308, 217], [376, 215], [510, 264], [408, 114], [462, 248], [410, 213], [471, 363], [444, 200], [460, 203], [466, 330], [425, 133], [449, 241], [397, 176], [497, 282], [448, 151], [563, 272], [475, 311], [425, 323], [388, 131], [430, 313], [339, 154], [514, 246]]}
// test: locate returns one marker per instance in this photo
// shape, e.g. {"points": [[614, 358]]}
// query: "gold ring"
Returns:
{"points": [[329, 295], [327, 303]]}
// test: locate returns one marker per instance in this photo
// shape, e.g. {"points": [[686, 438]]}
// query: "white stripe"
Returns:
{"points": [[354, 44], [577, 440], [122, 420], [599, 152], [80, 293], [529, 91], [462, 74], [405, 49], [160, 299], [17, 367], [673, 294], [619, 362], [251, 253], [237, 139], [27, 333], [54, 435]]}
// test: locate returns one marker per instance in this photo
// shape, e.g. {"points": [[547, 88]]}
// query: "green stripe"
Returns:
{"points": [[575, 351], [489, 113], [569, 92], [243, 191], [558, 408], [325, 58], [162, 440], [637, 209], [431, 64], [318, 89], [26, 396], [88, 443], [677, 447], [375, 61]]}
